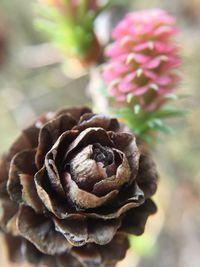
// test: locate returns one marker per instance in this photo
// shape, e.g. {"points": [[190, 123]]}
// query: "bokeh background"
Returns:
{"points": [[33, 79]]}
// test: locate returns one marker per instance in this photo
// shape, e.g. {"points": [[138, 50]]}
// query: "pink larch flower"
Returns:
{"points": [[143, 59]]}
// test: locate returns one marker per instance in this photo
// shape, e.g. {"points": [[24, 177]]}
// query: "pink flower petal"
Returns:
{"points": [[144, 46], [115, 50], [166, 31], [126, 87], [173, 62], [122, 68], [164, 80], [150, 74], [109, 74], [163, 47], [120, 30], [152, 64], [141, 90], [130, 77], [138, 58], [127, 40]]}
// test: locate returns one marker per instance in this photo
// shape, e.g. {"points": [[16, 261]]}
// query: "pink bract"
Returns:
{"points": [[143, 58]]}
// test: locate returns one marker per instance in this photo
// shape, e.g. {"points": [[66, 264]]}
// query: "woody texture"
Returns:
{"points": [[73, 186]]}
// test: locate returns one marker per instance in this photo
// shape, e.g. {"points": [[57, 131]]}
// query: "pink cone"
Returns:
{"points": [[143, 58]]}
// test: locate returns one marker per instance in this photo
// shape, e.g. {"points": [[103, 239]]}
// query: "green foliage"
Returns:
{"points": [[146, 124], [143, 245], [71, 31]]}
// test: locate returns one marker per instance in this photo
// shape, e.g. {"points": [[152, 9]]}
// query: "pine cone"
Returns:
{"points": [[72, 186]]}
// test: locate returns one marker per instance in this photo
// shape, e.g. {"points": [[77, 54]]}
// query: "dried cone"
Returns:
{"points": [[72, 186], [143, 59]]}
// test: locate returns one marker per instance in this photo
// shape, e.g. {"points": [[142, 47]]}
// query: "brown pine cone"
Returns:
{"points": [[72, 186]]}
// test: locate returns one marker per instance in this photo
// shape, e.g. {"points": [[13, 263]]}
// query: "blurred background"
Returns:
{"points": [[33, 79]]}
